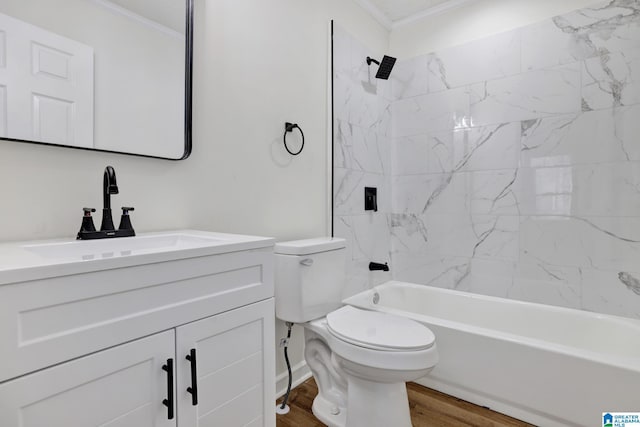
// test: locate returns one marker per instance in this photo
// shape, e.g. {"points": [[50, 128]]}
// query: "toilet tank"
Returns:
{"points": [[309, 278]]}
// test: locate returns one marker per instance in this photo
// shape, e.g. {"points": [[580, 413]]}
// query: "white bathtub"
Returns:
{"points": [[546, 365]]}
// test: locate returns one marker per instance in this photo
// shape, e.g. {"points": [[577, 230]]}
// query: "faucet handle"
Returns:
{"points": [[125, 221], [87, 223]]}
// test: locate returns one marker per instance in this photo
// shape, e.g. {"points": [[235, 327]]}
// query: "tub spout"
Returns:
{"points": [[374, 266]]}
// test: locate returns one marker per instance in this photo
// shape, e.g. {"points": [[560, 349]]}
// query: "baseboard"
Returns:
{"points": [[300, 372]]}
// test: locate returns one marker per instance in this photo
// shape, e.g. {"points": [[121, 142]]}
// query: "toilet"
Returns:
{"points": [[360, 359]]}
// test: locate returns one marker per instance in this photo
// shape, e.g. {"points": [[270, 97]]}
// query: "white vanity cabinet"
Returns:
{"points": [[121, 386], [129, 385], [234, 359], [184, 339]]}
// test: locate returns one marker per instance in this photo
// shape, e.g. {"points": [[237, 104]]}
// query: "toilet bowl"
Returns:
{"points": [[360, 359], [372, 362]]}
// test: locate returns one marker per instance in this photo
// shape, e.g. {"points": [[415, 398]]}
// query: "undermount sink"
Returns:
{"points": [[110, 248]]}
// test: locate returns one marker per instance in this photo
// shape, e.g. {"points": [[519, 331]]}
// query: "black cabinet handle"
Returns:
{"points": [[191, 357], [168, 402]]}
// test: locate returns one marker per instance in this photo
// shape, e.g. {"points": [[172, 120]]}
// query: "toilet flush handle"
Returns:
{"points": [[307, 262]]}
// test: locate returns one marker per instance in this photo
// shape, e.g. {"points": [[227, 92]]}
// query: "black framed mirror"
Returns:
{"points": [[106, 75]]}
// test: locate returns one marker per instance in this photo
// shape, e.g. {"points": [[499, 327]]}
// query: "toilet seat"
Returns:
{"points": [[384, 359], [379, 331]]}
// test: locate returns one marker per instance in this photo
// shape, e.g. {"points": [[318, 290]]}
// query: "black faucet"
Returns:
{"points": [[374, 266], [107, 229], [109, 187]]}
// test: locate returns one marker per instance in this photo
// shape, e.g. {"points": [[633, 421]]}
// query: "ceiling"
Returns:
{"points": [[393, 13]]}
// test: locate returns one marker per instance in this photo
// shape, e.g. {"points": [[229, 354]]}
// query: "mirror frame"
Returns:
{"points": [[188, 81]]}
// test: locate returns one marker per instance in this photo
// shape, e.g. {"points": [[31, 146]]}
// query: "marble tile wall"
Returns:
{"points": [[515, 163], [362, 158]]}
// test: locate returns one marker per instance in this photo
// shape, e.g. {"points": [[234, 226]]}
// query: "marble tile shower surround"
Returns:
{"points": [[515, 166], [362, 158]]}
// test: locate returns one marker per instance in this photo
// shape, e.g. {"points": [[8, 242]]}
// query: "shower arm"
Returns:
{"points": [[370, 60]]}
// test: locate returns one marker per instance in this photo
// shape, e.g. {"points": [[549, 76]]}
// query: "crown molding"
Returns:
{"points": [[139, 18], [386, 22], [376, 13], [436, 10]]}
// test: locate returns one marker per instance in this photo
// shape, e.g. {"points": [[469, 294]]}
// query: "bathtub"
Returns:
{"points": [[546, 365]]}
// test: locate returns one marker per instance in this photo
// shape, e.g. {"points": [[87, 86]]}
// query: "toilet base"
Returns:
{"points": [[370, 404], [375, 404], [326, 412]]}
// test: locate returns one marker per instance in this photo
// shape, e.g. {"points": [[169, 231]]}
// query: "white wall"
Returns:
{"points": [[257, 64], [473, 21], [264, 63]]}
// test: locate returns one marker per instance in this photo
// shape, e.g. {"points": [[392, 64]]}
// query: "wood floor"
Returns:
{"points": [[429, 408]]}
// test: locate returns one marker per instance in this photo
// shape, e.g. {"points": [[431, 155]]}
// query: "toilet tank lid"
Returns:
{"points": [[310, 246]]}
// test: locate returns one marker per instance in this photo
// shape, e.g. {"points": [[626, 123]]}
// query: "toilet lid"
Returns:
{"points": [[380, 331]]}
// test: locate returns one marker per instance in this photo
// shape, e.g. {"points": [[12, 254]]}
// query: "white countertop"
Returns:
{"points": [[33, 260]]}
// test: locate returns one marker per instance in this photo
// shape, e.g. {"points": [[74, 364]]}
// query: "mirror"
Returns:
{"points": [[107, 75]]}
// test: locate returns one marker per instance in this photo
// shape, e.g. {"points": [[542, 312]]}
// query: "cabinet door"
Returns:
{"points": [[123, 386], [234, 370]]}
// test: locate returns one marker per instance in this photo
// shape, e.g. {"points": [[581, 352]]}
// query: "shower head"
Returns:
{"points": [[384, 69]]}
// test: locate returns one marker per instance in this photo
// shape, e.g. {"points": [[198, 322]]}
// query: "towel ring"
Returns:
{"points": [[289, 127]]}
